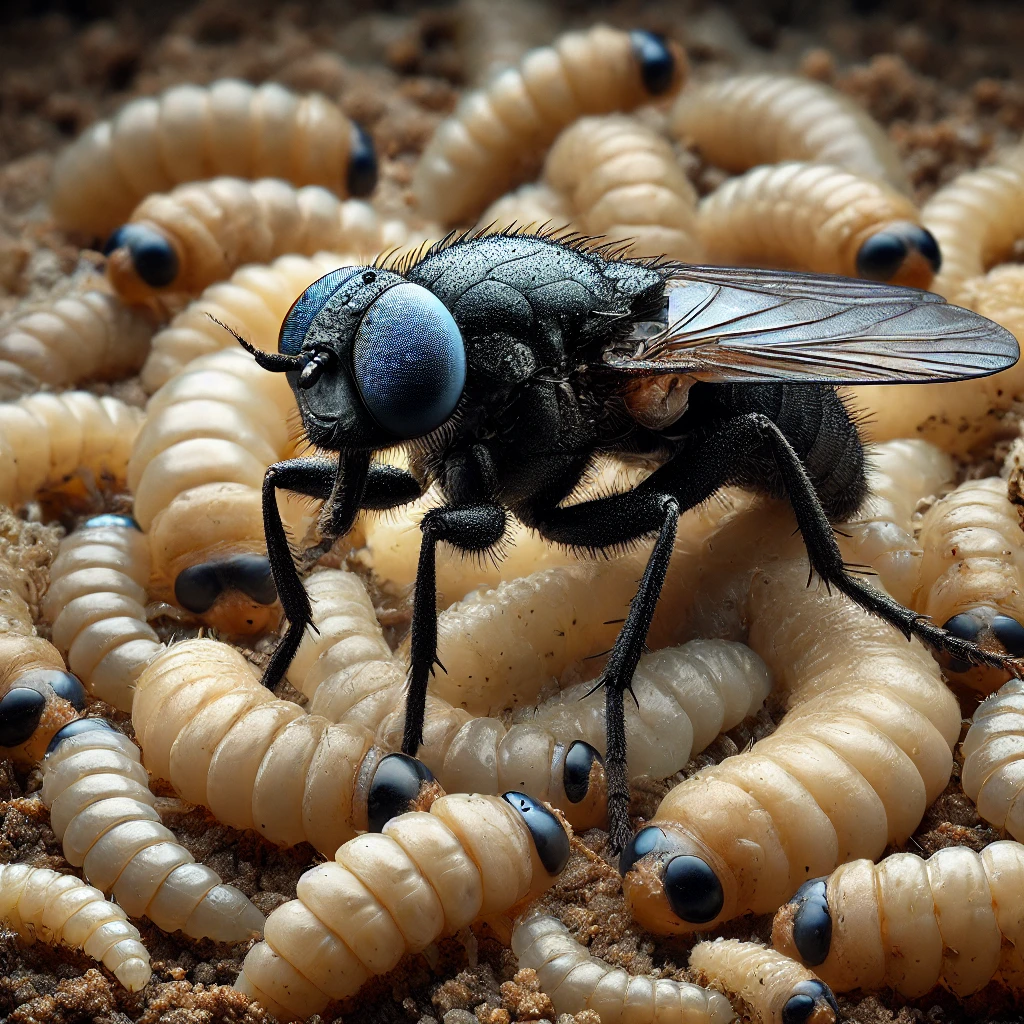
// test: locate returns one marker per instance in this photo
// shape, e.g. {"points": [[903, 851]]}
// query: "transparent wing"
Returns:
{"points": [[738, 325]]}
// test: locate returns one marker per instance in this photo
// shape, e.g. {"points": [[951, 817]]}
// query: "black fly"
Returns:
{"points": [[506, 363]]}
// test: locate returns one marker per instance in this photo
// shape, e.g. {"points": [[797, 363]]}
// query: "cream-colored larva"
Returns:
{"points": [[911, 924], [55, 441], [765, 986], [763, 119], [821, 218], [60, 909], [575, 980], [530, 207], [623, 182], [865, 747], [192, 132], [181, 242], [385, 895], [495, 35], [103, 812], [498, 135], [96, 604], [90, 336]]}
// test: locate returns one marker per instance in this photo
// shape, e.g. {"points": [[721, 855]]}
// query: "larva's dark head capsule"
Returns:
{"points": [[659, 66], [991, 630], [21, 709], [361, 176], [400, 783], [811, 922], [549, 837], [812, 1002], [140, 258], [580, 759], [78, 728], [198, 587], [63, 684], [110, 519], [902, 253]]}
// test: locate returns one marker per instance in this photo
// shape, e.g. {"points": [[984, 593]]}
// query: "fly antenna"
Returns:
{"points": [[275, 362]]}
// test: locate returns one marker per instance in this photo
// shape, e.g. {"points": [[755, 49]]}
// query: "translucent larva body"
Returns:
{"points": [[912, 924], [817, 217], [575, 980], [532, 206], [498, 136], [192, 132], [763, 119], [764, 985], [90, 336], [623, 182], [51, 440], [60, 909], [181, 242], [385, 895], [96, 605]]}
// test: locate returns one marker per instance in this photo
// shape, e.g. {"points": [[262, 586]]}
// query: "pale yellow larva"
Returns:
{"points": [[910, 924], [576, 980], [756, 119], [498, 135], [623, 182], [383, 896], [765, 986], [532, 207], [193, 132], [821, 218], [60, 909], [183, 241]]}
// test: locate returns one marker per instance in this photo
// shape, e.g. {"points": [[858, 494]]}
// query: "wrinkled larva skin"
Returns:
{"points": [[816, 217], [972, 573], [96, 605], [90, 336], [575, 980], [767, 987], [623, 182], [911, 924], [41, 904], [763, 119], [864, 749], [63, 442], [102, 810], [498, 135], [192, 132], [531, 207], [385, 895], [182, 242]]}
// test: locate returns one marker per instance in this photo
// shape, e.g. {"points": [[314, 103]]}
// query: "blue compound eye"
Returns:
{"points": [[153, 256], [307, 306], [409, 361]]}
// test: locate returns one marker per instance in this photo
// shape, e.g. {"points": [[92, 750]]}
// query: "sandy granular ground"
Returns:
{"points": [[938, 74]]}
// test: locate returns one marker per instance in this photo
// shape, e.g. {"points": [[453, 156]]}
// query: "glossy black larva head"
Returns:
{"points": [[812, 922], [579, 762], [881, 256], [808, 999], [656, 60], [1010, 633], [197, 588], [647, 841], [20, 711], [549, 837], [152, 255], [394, 789], [693, 890], [77, 727], [361, 176], [63, 684], [110, 519]]}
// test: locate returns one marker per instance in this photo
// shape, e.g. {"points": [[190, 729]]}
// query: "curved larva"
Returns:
{"points": [[497, 136], [763, 119], [51, 440], [193, 132], [864, 749], [90, 336], [60, 909], [385, 895], [529, 207], [103, 812], [911, 924], [181, 242], [575, 980], [96, 605], [817, 217], [764, 985]]}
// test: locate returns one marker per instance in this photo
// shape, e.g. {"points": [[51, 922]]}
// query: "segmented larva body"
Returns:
{"points": [[192, 132], [764, 985], [252, 302], [90, 336], [96, 603], [384, 895], [911, 924], [764, 119], [623, 182], [102, 810], [817, 217], [60, 909], [531, 207], [575, 980], [181, 242], [864, 749], [497, 136], [994, 758], [51, 440], [972, 573]]}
